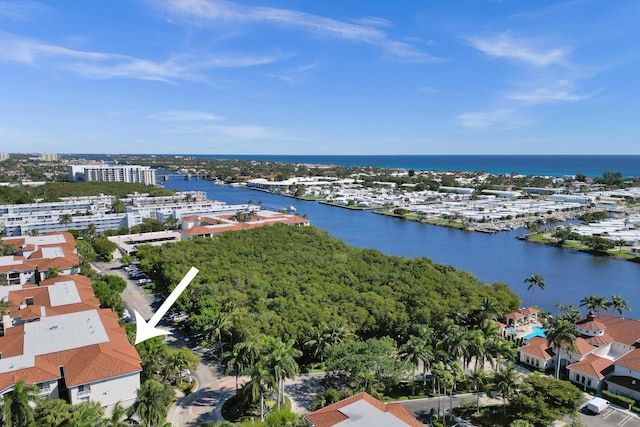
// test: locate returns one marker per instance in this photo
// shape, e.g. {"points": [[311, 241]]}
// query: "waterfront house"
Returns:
{"points": [[536, 353], [606, 355]]}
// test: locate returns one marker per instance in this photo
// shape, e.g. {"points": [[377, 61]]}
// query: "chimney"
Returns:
{"points": [[37, 278]]}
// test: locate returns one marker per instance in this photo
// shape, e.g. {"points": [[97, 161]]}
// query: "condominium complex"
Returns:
{"points": [[113, 173], [57, 337], [78, 213]]}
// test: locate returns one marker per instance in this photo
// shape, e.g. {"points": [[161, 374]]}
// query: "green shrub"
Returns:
{"points": [[618, 400]]}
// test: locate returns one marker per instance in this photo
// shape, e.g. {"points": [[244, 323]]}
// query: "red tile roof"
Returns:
{"points": [[91, 363], [331, 415], [82, 365], [630, 360], [537, 347], [593, 366]]}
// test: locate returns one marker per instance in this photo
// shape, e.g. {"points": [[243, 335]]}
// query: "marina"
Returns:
{"points": [[498, 257]]}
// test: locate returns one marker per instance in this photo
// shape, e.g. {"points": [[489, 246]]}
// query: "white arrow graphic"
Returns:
{"points": [[146, 330]]}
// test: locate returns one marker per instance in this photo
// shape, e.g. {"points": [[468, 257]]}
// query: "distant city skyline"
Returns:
{"points": [[306, 77]]}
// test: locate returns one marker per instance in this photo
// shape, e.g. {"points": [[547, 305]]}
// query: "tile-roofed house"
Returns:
{"points": [[362, 410], [36, 255], [72, 348], [590, 371], [60, 295], [606, 352], [625, 379], [537, 353]]}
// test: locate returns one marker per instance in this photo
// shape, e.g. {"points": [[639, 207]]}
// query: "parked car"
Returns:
{"points": [[178, 317]]}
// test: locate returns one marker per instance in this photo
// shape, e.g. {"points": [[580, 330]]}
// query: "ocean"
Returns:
{"points": [[547, 165]]}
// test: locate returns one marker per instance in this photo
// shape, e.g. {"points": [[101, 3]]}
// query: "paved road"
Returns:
{"points": [[133, 297], [421, 410]]}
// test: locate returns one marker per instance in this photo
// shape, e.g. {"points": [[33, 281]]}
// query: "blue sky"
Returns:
{"points": [[320, 77]]}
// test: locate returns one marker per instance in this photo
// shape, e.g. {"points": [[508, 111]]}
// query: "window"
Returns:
{"points": [[44, 387], [13, 278], [84, 390]]}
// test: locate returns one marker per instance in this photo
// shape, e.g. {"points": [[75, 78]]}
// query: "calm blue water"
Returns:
{"points": [[589, 165], [537, 331], [569, 276]]}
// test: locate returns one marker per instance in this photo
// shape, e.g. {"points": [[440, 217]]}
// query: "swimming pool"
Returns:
{"points": [[536, 331]]}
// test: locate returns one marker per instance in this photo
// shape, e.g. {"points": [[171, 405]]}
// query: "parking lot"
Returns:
{"points": [[610, 417]]}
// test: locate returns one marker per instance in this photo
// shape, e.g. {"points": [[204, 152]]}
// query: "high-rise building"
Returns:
{"points": [[113, 173], [48, 157]]}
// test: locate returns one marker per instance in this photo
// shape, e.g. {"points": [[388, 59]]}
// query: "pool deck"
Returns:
{"points": [[523, 330]]}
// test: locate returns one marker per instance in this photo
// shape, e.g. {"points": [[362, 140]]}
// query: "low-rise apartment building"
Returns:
{"points": [[58, 338]]}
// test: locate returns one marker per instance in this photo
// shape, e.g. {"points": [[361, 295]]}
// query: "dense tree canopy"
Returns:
{"points": [[287, 281]]}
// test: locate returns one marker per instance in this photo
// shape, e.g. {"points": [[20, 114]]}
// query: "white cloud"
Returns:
{"points": [[561, 91], [99, 65], [186, 116], [524, 50], [373, 21], [20, 10], [504, 118], [214, 11], [543, 95]]}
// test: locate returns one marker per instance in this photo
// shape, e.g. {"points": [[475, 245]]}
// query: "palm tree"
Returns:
{"points": [[153, 402], [86, 414], [52, 412], [319, 341], [338, 333], [242, 357], [257, 386], [505, 382], [368, 382], [326, 398], [560, 334], [281, 363], [594, 303], [153, 353], [54, 272], [477, 347], [18, 410], [118, 207], [117, 414], [619, 304], [490, 309], [415, 351], [220, 324], [65, 219], [535, 281], [5, 305], [178, 361], [478, 380]]}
